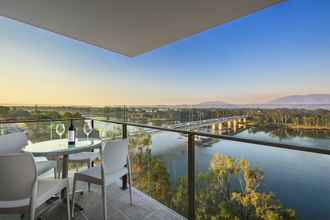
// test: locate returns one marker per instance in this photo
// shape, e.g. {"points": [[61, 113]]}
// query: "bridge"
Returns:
{"points": [[216, 123], [222, 123]]}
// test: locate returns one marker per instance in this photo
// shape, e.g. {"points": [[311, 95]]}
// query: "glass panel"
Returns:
{"points": [[9, 128], [159, 162], [170, 117], [112, 113], [108, 130], [245, 181], [38, 131], [44, 131], [314, 138]]}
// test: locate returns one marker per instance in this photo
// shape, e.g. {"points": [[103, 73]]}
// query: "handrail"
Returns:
{"points": [[142, 126], [191, 153], [14, 121], [317, 150]]}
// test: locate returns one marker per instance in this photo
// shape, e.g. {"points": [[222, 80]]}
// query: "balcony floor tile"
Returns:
{"points": [[119, 208]]}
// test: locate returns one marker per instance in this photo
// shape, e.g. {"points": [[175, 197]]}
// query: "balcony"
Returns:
{"points": [[180, 171], [176, 176]]}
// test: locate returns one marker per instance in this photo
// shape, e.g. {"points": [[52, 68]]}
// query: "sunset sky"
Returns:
{"points": [[282, 50]]}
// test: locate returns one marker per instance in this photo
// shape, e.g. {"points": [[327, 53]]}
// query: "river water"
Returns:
{"points": [[300, 180]]}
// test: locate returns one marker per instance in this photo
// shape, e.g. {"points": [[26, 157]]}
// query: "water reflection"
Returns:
{"points": [[308, 138], [283, 133], [298, 179]]}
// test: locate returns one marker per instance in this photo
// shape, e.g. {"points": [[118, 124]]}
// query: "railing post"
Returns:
{"points": [[191, 176], [125, 113], [124, 178], [124, 131], [92, 124], [51, 130]]}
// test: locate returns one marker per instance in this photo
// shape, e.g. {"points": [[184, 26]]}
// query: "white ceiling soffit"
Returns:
{"points": [[129, 27]]}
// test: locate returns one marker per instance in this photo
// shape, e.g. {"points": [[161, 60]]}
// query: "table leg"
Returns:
{"points": [[65, 168], [64, 173]]}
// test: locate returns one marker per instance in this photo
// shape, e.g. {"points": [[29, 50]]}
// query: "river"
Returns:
{"points": [[300, 180]]}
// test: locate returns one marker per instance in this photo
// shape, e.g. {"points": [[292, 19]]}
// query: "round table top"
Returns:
{"points": [[60, 147]]}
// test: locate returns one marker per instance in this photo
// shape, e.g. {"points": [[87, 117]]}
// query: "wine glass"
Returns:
{"points": [[87, 129], [60, 129]]}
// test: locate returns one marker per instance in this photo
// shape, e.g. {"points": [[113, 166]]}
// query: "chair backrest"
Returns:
{"points": [[18, 175], [114, 155], [13, 143]]}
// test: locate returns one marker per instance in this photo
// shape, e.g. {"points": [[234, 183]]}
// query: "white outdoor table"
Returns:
{"points": [[60, 147]]}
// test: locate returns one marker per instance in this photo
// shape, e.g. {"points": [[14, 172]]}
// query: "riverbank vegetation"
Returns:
{"points": [[228, 190], [21, 113], [291, 118]]}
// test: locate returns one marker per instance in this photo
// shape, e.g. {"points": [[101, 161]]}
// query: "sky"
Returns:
{"points": [[279, 51]]}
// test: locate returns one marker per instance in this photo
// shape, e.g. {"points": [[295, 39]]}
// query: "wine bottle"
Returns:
{"points": [[71, 134]]}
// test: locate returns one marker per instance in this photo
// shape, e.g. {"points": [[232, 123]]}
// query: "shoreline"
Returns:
{"points": [[304, 127]]}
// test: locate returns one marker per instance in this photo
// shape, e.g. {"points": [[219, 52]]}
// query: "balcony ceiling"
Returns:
{"points": [[129, 27]]}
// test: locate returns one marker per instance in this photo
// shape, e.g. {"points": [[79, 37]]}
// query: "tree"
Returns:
{"points": [[150, 176], [69, 115], [4, 110], [140, 140], [229, 190]]}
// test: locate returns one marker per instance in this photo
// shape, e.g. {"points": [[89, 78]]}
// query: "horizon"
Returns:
{"points": [[182, 104], [278, 52], [196, 105]]}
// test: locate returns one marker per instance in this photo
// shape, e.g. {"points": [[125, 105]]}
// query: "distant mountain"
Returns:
{"points": [[214, 104], [313, 99]]}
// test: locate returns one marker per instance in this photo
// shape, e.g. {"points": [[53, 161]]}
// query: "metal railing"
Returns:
{"points": [[191, 152], [14, 121], [191, 148]]}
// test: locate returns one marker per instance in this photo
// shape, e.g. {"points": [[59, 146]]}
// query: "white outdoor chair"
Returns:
{"points": [[84, 157], [12, 143], [115, 163], [21, 191], [87, 158], [15, 142]]}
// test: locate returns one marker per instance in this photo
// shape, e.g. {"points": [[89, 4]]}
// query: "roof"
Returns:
{"points": [[129, 27]]}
